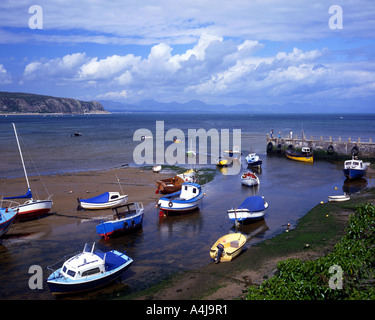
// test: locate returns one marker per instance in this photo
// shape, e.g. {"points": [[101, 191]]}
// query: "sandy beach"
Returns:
{"points": [[66, 188]]}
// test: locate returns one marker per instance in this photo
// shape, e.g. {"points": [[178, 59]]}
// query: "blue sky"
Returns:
{"points": [[231, 52]]}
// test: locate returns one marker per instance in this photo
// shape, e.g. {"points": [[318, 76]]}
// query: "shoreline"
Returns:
{"points": [[52, 113]]}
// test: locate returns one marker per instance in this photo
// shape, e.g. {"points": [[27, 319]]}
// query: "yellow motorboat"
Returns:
{"points": [[228, 247], [306, 155]]}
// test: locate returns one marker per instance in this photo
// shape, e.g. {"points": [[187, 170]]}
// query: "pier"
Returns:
{"points": [[324, 148]]}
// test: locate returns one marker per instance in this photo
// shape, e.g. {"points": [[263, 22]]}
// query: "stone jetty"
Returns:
{"points": [[324, 148]]}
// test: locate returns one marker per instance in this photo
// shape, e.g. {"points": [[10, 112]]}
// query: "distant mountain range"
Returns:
{"points": [[17, 102], [193, 106]]}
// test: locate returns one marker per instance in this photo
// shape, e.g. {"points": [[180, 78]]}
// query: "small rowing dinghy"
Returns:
{"points": [[343, 197], [249, 179]]}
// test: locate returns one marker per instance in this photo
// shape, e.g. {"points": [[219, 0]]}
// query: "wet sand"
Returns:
{"points": [[66, 188]]}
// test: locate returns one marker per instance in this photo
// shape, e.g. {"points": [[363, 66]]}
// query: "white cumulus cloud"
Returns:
{"points": [[214, 69]]}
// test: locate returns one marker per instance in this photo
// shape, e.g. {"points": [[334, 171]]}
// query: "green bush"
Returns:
{"points": [[309, 280]]}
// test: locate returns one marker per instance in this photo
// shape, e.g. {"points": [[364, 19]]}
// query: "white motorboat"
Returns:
{"points": [[253, 159], [88, 270], [106, 200], [355, 169], [252, 208]]}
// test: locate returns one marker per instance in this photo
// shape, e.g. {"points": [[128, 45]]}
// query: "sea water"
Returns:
{"points": [[49, 144]]}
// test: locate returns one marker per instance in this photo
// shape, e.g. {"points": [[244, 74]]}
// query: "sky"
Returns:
{"points": [[319, 55]]}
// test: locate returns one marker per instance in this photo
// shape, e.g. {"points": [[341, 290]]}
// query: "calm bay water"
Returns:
{"points": [[176, 243], [107, 140]]}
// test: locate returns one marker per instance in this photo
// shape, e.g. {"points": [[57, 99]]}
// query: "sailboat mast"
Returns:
{"points": [[19, 149]]}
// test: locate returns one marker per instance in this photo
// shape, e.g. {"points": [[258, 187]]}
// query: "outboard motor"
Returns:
{"points": [[220, 250]]}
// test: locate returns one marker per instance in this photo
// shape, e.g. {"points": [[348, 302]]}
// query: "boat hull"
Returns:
{"points": [[254, 163], [245, 215], [33, 209], [105, 205], [8, 216], [58, 285], [176, 205], [338, 198], [354, 173], [105, 229], [301, 158]]}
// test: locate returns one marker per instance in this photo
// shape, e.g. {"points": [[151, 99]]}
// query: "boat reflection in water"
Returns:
{"points": [[354, 186], [251, 230]]}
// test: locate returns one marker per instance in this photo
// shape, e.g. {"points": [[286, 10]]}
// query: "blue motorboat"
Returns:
{"points": [[7, 217], [126, 218], [88, 270], [251, 209], [355, 169]]}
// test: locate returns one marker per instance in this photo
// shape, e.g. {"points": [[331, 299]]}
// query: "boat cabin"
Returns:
{"points": [[306, 150], [82, 265], [189, 191], [353, 164], [252, 157], [127, 210]]}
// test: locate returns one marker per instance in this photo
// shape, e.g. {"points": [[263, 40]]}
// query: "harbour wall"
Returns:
{"points": [[324, 148]]}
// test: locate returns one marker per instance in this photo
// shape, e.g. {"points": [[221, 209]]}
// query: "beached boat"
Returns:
{"points": [[306, 155], [253, 159], [355, 169], [7, 217], [251, 209], [174, 184], [88, 270], [250, 179], [228, 247], [127, 217], [32, 208], [169, 185], [343, 197], [106, 200], [187, 199]]}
